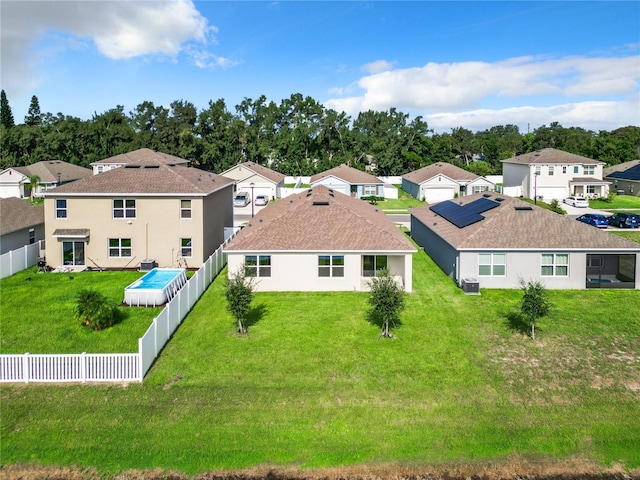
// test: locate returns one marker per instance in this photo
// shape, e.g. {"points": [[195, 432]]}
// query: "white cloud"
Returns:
{"points": [[378, 66], [119, 29], [588, 91]]}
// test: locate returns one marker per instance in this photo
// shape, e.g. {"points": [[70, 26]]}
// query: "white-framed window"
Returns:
{"points": [[331, 265], [32, 236], [554, 264], [551, 168], [589, 169], [564, 169], [370, 190], [372, 264], [119, 247], [185, 247], [61, 208], [479, 188], [185, 208], [100, 168], [576, 169], [124, 208], [492, 264], [591, 189], [538, 170], [257, 265]]}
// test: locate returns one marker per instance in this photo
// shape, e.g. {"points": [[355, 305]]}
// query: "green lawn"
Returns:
{"points": [[37, 311], [313, 385], [629, 234], [618, 202], [402, 204]]}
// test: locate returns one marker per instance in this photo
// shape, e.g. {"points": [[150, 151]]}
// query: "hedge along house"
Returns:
{"points": [[349, 181], [443, 181], [256, 179], [320, 240], [498, 240], [169, 214]]}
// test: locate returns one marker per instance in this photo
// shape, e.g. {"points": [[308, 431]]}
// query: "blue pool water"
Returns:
{"points": [[157, 287], [156, 279]]}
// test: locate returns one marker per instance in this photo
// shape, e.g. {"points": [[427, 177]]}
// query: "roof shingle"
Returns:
{"points": [[351, 175], [548, 156], [441, 168], [17, 214]]}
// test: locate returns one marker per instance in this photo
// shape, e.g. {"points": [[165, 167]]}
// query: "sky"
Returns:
{"points": [[455, 63]]}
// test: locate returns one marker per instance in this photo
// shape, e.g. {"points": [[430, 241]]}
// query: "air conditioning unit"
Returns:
{"points": [[470, 285], [148, 264]]}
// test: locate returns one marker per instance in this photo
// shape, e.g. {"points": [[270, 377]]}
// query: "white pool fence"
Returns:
{"points": [[117, 367]]}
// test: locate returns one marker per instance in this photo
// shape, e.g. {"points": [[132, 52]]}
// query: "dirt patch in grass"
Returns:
{"points": [[514, 468]]}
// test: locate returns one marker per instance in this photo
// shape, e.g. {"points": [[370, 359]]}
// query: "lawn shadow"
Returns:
{"points": [[255, 315], [375, 319], [516, 322]]}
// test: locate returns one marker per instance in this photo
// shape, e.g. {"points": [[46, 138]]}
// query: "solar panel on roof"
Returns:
{"points": [[456, 214], [481, 205]]}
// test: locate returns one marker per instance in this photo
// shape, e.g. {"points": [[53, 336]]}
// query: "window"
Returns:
{"points": [[576, 169], [185, 247], [124, 208], [589, 169], [73, 253], [370, 190], [185, 208], [492, 264], [331, 266], [372, 264], [564, 169], [32, 236], [555, 264], [100, 168], [591, 189], [538, 170], [61, 208], [551, 170], [119, 247], [257, 265], [481, 188]]}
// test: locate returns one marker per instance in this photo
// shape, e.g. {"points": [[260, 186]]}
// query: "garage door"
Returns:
{"points": [[435, 195], [549, 193]]}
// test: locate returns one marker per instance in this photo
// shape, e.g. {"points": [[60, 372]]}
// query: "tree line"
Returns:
{"points": [[298, 136]]}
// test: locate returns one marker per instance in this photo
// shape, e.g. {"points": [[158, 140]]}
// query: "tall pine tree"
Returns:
{"points": [[6, 117], [34, 117]]}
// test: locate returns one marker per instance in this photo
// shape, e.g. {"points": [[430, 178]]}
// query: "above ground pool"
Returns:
{"points": [[156, 287]]}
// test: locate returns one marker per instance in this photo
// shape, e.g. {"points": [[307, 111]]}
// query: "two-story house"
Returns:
{"points": [[154, 211], [553, 174]]}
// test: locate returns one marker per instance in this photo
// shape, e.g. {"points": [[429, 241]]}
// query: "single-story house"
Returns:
{"points": [[21, 223], [15, 181], [496, 240], [166, 214], [625, 178], [443, 181], [349, 181], [251, 177], [138, 157], [320, 240], [552, 174]]}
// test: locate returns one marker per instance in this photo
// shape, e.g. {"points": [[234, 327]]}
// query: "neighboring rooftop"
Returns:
{"points": [[17, 214], [620, 167], [320, 220], [275, 177], [515, 224], [632, 173], [548, 156], [350, 175], [142, 156], [48, 171], [441, 168]]}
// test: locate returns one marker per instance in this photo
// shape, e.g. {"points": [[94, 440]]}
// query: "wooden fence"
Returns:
{"points": [[117, 367]]}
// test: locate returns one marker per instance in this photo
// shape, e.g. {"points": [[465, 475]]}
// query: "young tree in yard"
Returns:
{"points": [[94, 310], [535, 303], [239, 295], [386, 298]]}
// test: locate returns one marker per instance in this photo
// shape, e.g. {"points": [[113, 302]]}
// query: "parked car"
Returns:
{"points": [[242, 200], [623, 219], [594, 219], [261, 200], [577, 202]]}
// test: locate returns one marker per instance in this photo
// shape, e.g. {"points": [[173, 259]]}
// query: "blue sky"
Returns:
{"points": [[457, 64]]}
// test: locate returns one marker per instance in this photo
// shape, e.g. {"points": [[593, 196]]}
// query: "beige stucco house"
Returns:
{"points": [[168, 214], [16, 181], [494, 240], [553, 174], [350, 181], [256, 179], [320, 240], [137, 157], [443, 181]]}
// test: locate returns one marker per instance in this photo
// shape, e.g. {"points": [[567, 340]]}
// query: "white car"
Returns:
{"points": [[242, 199], [579, 202]]}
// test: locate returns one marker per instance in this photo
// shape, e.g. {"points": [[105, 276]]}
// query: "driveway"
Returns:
{"points": [[242, 215]]}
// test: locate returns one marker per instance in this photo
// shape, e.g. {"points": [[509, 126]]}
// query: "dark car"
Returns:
{"points": [[595, 219], [623, 219]]}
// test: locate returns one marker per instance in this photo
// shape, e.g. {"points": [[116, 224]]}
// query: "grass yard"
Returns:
{"points": [[312, 385], [402, 204], [37, 311], [628, 234], [618, 202]]}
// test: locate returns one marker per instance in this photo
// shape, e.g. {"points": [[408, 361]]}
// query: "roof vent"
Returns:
{"points": [[320, 203], [486, 195], [152, 166], [132, 166], [524, 207], [499, 199]]}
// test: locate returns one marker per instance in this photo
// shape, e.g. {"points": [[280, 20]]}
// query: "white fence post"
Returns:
{"points": [[83, 367], [25, 368]]}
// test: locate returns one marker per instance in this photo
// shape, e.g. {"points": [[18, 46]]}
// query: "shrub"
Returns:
{"points": [[94, 310], [554, 206]]}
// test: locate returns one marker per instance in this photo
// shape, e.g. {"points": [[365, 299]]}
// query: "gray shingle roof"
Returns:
{"points": [[318, 220], [142, 156], [147, 179], [441, 168], [275, 177], [48, 171], [620, 167], [630, 174], [548, 156], [504, 227], [17, 214], [351, 175]]}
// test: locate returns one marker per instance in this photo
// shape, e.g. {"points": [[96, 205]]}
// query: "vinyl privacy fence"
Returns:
{"points": [[117, 367], [17, 260]]}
